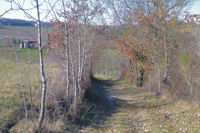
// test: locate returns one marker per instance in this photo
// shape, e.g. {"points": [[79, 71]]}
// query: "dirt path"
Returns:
{"points": [[135, 110]]}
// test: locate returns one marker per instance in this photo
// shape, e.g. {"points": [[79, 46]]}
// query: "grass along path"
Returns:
{"points": [[136, 110]]}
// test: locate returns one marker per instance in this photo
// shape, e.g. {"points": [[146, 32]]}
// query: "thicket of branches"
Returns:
{"points": [[151, 41], [73, 42]]}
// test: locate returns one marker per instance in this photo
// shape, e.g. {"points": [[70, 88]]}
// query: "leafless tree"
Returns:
{"points": [[75, 23], [19, 6]]}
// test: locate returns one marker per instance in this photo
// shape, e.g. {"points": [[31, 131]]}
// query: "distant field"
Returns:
{"points": [[20, 33]]}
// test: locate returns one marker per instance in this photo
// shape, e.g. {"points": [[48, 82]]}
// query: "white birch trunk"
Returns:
{"points": [[73, 76], [42, 72], [67, 49]]}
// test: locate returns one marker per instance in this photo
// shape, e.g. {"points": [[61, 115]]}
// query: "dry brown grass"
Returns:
{"points": [[28, 126]]}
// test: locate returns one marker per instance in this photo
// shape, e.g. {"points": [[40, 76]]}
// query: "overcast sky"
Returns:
{"points": [[195, 9]]}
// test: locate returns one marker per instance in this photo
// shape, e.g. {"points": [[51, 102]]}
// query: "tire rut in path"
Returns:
{"points": [[123, 115]]}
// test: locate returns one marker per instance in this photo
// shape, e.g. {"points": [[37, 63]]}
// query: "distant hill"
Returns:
{"points": [[19, 30], [18, 22]]}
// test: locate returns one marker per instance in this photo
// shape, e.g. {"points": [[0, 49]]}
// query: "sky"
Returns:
{"points": [[20, 14], [194, 9]]}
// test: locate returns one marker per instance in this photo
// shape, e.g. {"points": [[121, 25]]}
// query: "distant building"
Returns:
{"points": [[192, 18], [29, 44]]}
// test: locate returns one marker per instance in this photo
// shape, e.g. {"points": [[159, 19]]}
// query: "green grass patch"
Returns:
{"points": [[101, 77], [184, 59], [23, 55]]}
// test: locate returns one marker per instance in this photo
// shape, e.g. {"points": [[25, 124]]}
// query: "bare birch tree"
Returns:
{"points": [[74, 22], [42, 71]]}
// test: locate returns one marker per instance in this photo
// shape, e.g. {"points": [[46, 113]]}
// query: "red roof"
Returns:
{"points": [[33, 41]]}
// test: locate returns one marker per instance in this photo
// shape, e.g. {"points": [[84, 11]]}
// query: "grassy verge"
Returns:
{"points": [[12, 90], [162, 115]]}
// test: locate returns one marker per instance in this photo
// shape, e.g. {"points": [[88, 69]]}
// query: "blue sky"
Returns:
{"points": [[194, 9]]}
